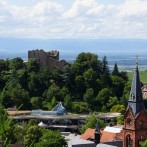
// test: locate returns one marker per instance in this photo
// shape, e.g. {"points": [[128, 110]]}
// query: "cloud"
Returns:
{"points": [[83, 19]]}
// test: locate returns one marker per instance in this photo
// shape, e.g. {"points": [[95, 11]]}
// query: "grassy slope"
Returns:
{"points": [[143, 76]]}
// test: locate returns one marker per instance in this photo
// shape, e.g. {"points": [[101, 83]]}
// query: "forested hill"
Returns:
{"points": [[84, 86]]}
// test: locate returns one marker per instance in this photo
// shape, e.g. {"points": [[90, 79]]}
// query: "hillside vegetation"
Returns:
{"points": [[84, 86]]}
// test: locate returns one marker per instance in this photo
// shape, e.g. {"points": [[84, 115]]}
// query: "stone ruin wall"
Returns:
{"points": [[53, 55], [47, 59]]}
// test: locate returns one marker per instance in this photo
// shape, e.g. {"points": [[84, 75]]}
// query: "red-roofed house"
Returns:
{"points": [[108, 134]]}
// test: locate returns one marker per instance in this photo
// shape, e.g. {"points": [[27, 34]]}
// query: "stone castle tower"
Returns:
{"points": [[135, 118], [47, 59]]}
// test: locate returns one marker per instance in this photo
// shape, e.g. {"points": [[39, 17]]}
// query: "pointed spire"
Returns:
{"points": [[136, 99], [136, 61]]}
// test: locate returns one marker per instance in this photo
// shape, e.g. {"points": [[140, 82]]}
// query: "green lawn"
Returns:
{"points": [[143, 76]]}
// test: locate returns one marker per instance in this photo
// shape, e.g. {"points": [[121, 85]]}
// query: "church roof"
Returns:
{"points": [[136, 100]]}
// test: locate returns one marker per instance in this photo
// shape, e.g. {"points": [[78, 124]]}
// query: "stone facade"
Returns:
{"points": [[47, 59]]}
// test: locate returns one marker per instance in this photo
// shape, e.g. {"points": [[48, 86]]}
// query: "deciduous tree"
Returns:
{"points": [[51, 139]]}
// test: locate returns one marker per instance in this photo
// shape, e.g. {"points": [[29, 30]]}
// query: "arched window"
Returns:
{"points": [[128, 141]]}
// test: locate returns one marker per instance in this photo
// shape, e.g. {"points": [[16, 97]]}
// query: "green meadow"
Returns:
{"points": [[143, 76]]}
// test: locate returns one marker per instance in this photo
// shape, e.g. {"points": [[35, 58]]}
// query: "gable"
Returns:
{"points": [[129, 113]]}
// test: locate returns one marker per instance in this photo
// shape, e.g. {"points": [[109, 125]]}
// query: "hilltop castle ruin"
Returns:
{"points": [[47, 59]]}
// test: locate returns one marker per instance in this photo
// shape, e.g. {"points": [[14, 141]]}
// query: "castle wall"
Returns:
{"points": [[47, 59]]}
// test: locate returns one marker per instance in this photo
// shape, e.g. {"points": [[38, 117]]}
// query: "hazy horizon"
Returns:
{"points": [[19, 46]]}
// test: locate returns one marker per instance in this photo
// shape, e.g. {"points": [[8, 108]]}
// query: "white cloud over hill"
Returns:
{"points": [[83, 19]]}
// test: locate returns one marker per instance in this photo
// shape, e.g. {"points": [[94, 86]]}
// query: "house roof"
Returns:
{"points": [[108, 134], [80, 142], [111, 144], [112, 129], [88, 134]]}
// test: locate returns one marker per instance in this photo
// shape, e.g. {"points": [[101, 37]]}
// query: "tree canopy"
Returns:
{"points": [[51, 139], [87, 82]]}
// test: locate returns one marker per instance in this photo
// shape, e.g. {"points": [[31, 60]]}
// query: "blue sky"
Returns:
{"points": [[65, 19]]}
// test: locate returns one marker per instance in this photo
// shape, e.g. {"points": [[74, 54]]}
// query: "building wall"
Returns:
{"points": [[47, 59], [144, 92], [136, 130]]}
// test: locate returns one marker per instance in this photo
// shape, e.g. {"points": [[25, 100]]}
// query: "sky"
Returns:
{"points": [[73, 19]]}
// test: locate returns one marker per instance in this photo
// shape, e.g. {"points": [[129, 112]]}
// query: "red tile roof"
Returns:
{"points": [[105, 136], [88, 134]]}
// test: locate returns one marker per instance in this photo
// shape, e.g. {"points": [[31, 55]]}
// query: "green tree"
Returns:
{"points": [[50, 105], [16, 96], [115, 71], [68, 102], [64, 92], [16, 63], [112, 101], [80, 107], [120, 120], [32, 137], [143, 143], [89, 97], [105, 68], [53, 91], [21, 128], [51, 139], [35, 84], [104, 96], [5, 128], [80, 87], [89, 76], [85, 61], [106, 81], [91, 123], [36, 102], [67, 75], [85, 70], [33, 65], [126, 93], [2, 82], [22, 78], [124, 75], [118, 85], [2, 66], [118, 108]]}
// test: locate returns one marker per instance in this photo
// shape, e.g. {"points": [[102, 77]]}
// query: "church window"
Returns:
{"points": [[129, 121], [128, 141]]}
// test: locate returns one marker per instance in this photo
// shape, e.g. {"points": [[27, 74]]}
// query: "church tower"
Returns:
{"points": [[135, 118]]}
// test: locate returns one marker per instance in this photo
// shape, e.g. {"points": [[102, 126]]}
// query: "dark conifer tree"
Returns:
{"points": [[115, 71], [105, 68]]}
